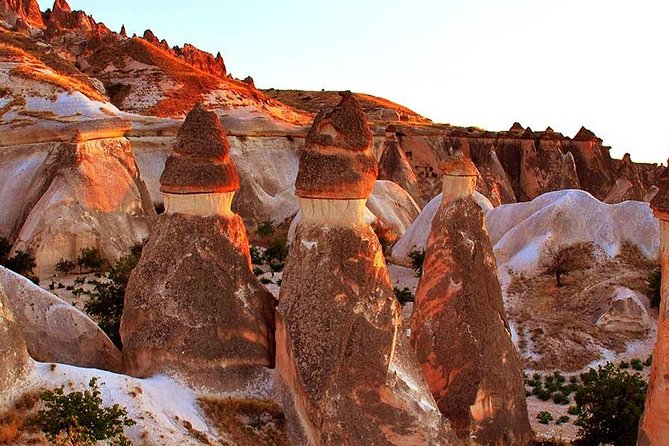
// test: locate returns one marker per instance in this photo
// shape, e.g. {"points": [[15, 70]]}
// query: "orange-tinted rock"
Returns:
{"points": [[394, 166], [62, 17], [15, 360], [493, 175], [654, 428], [337, 162], [339, 345], [200, 162], [460, 332], [26, 11]]}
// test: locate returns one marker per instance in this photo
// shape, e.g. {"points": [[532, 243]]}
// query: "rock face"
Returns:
{"points": [[395, 167], [21, 10], [339, 346], [654, 430], [90, 195], [459, 329], [192, 304], [55, 331], [15, 360], [627, 313]]}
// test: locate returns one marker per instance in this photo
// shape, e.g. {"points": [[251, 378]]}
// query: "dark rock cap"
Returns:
{"points": [[459, 167], [585, 135], [337, 162], [516, 128], [200, 162]]}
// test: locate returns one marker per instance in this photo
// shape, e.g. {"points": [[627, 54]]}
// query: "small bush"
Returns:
{"points": [[637, 364], [257, 271], [417, 260], [573, 410], [544, 417], [78, 418], [560, 398], [404, 295], [90, 259], [64, 266], [276, 266], [265, 280], [649, 361], [610, 403], [257, 257], [563, 419], [277, 250], [655, 284], [624, 365], [266, 228]]}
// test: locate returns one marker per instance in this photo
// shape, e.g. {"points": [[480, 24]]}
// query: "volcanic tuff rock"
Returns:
{"points": [[394, 166], [192, 304], [475, 374], [339, 346], [90, 196], [26, 10], [15, 360], [654, 429], [54, 330]]}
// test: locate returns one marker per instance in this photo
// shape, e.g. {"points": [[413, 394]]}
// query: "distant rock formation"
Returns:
{"points": [[654, 430], [15, 362], [459, 328], [62, 17], [339, 345], [26, 11], [54, 330], [394, 166], [90, 196], [192, 304]]}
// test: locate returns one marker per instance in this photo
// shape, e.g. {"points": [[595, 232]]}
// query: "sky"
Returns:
{"points": [[487, 63]]}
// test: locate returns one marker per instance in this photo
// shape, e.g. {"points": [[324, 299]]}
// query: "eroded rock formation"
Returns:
{"points": [[339, 344], [15, 360], [394, 166], [192, 304], [654, 429], [459, 329]]}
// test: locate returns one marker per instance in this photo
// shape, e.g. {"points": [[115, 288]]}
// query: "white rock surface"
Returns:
{"points": [[416, 235], [627, 313], [519, 231], [54, 330]]}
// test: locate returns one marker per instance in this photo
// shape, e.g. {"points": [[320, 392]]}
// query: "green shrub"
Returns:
{"points": [[266, 228], [265, 280], [649, 361], [107, 297], [544, 417], [89, 258], [276, 266], [637, 364], [404, 295], [624, 365], [78, 418], [257, 257], [64, 266], [277, 250], [573, 410], [21, 263], [560, 398], [257, 271], [655, 284], [417, 260], [610, 403], [563, 419]]}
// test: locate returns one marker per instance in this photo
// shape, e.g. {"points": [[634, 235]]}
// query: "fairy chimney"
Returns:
{"points": [[339, 345], [394, 166], [459, 329], [192, 304], [15, 360], [654, 430]]}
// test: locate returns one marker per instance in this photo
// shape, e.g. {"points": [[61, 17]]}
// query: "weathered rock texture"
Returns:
{"points": [[55, 331], [394, 166], [654, 429], [192, 305], [459, 328], [15, 360], [14, 11], [90, 195], [339, 342]]}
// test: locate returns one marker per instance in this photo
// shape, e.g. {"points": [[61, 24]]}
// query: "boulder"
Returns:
{"points": [[55, 331], [627, 313], [15, 363]]}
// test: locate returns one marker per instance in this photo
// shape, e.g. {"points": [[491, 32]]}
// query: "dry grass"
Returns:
{"points": [[247, 422], [16, 426], [560, 322]]}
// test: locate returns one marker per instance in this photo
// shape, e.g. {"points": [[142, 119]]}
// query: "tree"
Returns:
{"points": [[610, 404], [89, 258], [417, 259], [78, 418], [560, 261]]}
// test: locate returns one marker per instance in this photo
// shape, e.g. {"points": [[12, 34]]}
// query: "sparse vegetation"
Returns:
{"points": [[610, 404], [560, 261], [78, 418], [544, 417], [417, 259], [266, 228], [404, 295], [64, 266], [257, 256], [277, 251], [386, 236], [247, 422], [89, 258], [21, 262]]}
